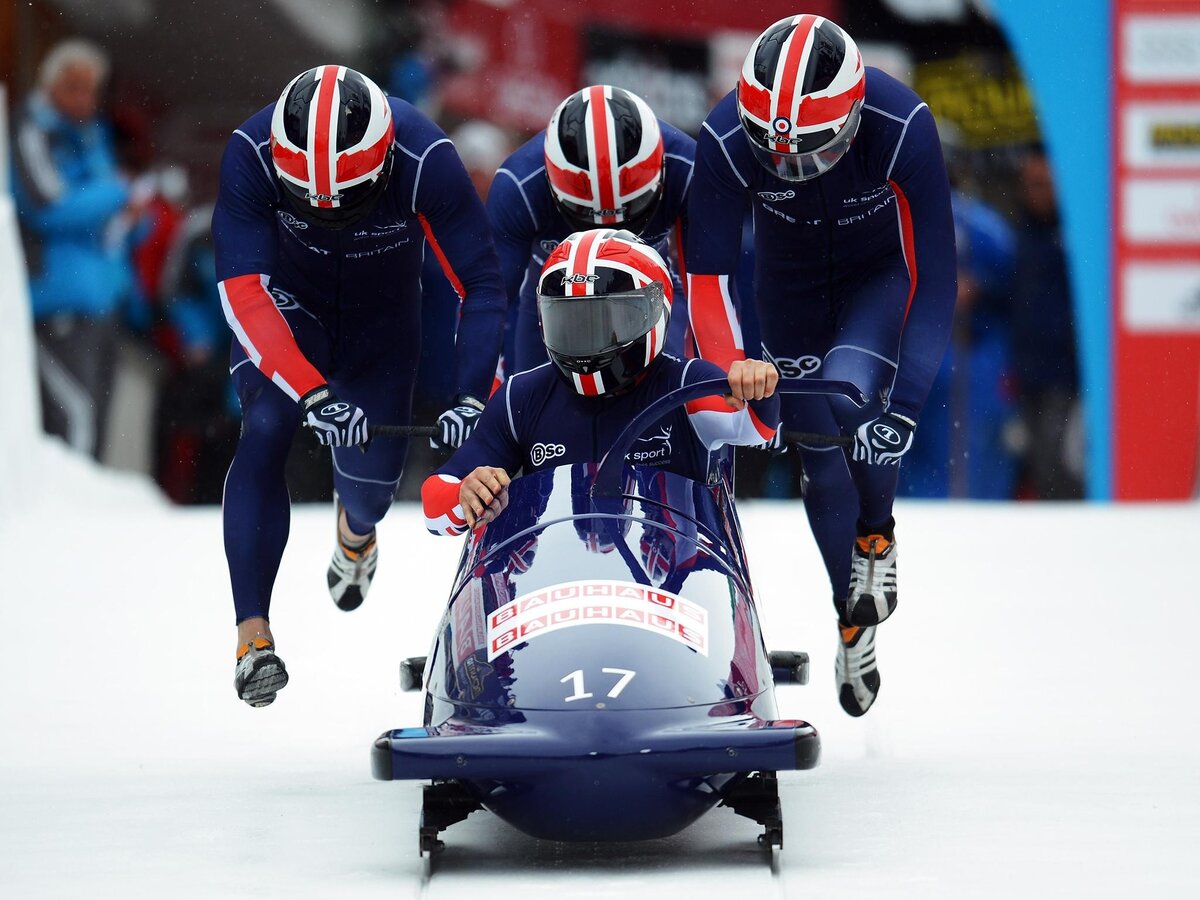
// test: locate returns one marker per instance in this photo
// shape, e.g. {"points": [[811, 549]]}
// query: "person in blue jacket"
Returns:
{"points": [[604, 160], [329, 200], [69, 195], [605, 303], [854, 280]]}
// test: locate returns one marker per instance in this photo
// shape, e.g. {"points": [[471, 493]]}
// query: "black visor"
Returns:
{"points": [[580, 327]]}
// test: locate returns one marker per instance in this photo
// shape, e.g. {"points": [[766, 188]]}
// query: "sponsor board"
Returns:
{"points": [[594, 602], [1161, 48], [1161, 210], [1161, 135], [1161, 297]]}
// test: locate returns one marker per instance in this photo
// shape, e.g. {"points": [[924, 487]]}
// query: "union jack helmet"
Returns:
{"points": [[331, 143], [604, 159], [604, 301], [800, 96]]}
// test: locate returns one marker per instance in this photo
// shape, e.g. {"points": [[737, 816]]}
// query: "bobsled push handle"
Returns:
{"points": [[608, 476]]}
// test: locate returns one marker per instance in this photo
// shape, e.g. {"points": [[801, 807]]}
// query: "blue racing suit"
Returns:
{"points": [[537, 421], [854, 280], [310, 305], [527, 226]]}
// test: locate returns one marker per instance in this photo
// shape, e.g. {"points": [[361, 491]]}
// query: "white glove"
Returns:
{"points": [[884, 440], [456, 424], [334, 422]]}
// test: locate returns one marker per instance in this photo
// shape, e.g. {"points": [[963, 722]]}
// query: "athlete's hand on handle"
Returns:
{"points": [[456, 424], [884, 440], [334, 422], [483, 495], [750, 379]]}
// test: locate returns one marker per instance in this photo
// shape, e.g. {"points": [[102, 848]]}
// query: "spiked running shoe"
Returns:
{"points": [[857, 674], [872, 595], [260, 674], [351, 571]]}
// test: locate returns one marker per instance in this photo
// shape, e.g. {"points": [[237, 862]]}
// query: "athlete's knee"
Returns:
{"points": [[365, 503], [825, 469], [268, 415], [869, 372]]}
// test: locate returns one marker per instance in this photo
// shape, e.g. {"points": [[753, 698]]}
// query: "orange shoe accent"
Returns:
{"points": [[849, 633], [259, 644], [881, 544], [355, 554]]}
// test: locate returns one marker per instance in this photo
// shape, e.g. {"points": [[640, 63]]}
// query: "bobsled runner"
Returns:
{"points": [[599, 673]]}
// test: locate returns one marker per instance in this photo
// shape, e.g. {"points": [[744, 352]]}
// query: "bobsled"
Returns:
{"points": [[600, 673]]}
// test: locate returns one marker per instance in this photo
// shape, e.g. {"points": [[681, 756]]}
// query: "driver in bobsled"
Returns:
{"points": [[604, 304]]}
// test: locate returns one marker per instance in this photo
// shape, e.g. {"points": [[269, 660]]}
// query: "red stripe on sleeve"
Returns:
{"points": [[718, 405], [906, 238], [765, 430], [710, 322], [455, 281], [264, 334], [709, 404], [439, 499]]}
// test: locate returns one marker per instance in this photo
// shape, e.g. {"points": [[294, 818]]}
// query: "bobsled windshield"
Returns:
{"points": [[567, 601]]}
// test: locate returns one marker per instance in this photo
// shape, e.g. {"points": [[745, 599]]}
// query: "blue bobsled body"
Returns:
{"points": [[599, 674]]}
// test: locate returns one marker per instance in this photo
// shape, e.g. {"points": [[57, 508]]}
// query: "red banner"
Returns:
{"points": [[1156, 250], [518, 61]]}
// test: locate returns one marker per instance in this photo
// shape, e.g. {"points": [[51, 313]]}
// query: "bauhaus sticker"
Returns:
{"points": [[579, 603]]}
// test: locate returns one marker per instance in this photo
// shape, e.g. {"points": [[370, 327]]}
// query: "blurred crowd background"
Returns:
{"points": [[120, 110]]}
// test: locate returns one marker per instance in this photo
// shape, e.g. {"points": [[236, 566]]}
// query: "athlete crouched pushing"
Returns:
{"points": [[327, 201], [604, 300]]}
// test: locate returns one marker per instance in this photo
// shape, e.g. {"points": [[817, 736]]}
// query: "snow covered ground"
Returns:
{"points": [[1036, 734]]}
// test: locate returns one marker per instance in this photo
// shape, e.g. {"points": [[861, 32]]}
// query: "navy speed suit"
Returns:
{"points": [[527, 226], [536, 421], [855, 279], [310, 305]]}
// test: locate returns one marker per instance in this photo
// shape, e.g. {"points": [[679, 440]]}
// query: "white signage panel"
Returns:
{"points": [[1161, 49], [1161, 210], [1161, 297], [1161, 135]]}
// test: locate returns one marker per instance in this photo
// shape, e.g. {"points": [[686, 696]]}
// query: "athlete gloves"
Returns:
{"points": [[456, 424], [334, 422], [884, 440]]}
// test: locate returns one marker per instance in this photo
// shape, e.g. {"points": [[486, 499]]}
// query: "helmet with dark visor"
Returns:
{"points": [[582, 332], [815, 154]]}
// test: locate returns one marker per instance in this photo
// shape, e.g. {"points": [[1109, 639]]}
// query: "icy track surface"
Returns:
{"points": [[1036, 734]]}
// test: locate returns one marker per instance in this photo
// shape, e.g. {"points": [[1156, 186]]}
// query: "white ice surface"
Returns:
{"points": [[1036, 734]]}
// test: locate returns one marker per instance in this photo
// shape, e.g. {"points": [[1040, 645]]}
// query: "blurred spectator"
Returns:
{"points": [[76, 213], [198, 414], [1043, 333], [962, 450], [483, 147]]}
